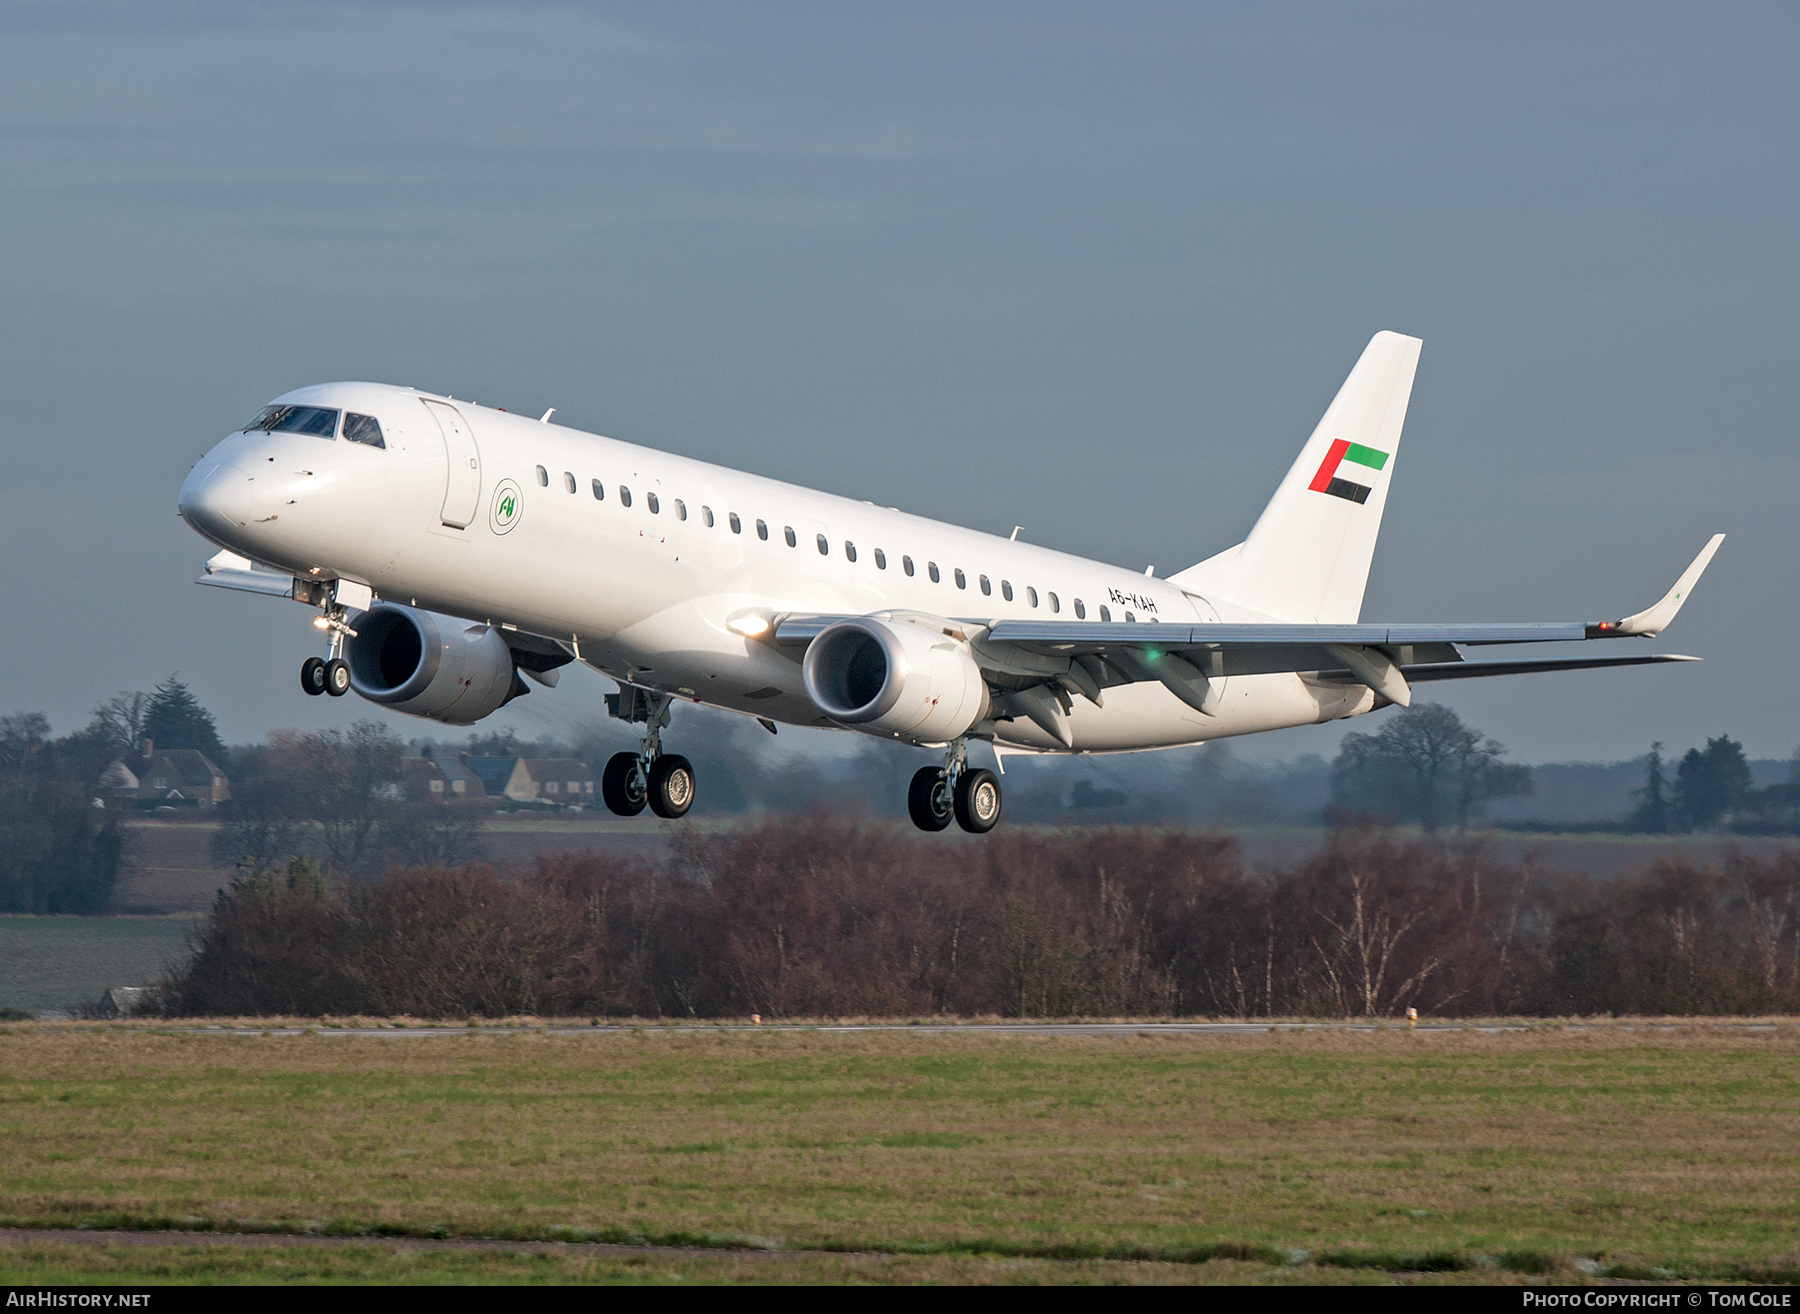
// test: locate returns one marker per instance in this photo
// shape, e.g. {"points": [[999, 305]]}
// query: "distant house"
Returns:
{"points": [[561, 780], [440, 780], [492, 772], [175, 776], [552, 780], [125, 1001]]}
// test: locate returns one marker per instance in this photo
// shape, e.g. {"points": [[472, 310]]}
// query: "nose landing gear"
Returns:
{"points": [[954, 791], [320, 675], [664, 781]]}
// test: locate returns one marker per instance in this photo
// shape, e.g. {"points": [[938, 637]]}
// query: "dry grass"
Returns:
{"points": [[1676, 1152], [56, 1263]]}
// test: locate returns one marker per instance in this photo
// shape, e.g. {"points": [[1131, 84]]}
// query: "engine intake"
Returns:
{"points": [[427, 664], [895, 679]]}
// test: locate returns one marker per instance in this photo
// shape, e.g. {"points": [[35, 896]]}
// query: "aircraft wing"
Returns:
{"points": [[1090, 656]]}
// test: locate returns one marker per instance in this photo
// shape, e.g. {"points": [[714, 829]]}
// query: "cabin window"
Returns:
{"points": [[1005, 590], [599, 491], [363, 429], [849, 550], [787, 532], [543, 477], [680, 509], [706, 516], [932, 570], [1055, 604], [1080, 609], [962, 581], [1030, 596], [762, 530], [1130, 619], [906, 565], [880, 559], [737, 526], [824, 547], [651, 502], [1105, 615], [568, 482], [624, 495]]}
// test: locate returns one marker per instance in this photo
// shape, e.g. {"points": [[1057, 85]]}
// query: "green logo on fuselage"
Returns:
{"points": [[508, 506]]}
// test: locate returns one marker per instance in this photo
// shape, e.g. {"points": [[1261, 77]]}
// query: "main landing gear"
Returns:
{"points": [[664, 781], [954, 791], [329, 675]]}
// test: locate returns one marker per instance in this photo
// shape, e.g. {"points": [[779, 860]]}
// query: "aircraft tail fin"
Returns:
{"points": [[1308, 557]]}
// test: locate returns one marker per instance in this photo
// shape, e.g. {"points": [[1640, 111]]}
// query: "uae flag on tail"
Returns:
{"points": [[1348, 471]]}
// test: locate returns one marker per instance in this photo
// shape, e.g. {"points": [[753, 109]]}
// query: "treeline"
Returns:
{"points": [[1426, 767], [827, 918], [59, 852], [335, 797]]}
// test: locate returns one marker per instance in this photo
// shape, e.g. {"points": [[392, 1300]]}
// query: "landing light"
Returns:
{"points": [[751, 626], [320, 623]]}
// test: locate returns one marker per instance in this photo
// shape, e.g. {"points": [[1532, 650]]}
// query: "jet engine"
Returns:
{"points": [[426, 664], [897, 679]]}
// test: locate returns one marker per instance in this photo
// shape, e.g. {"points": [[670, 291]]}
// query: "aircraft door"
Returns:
{"points": [[462, 486]]}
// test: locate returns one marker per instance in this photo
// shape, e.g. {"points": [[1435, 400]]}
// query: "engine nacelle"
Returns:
{"points": [[426, 664], [894, 678]]}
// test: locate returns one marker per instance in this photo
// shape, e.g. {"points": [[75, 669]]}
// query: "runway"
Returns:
{"points": [[1066, 1030]]}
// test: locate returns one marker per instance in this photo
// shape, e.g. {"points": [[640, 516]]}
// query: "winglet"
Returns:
{"points": [[1657, 618]]}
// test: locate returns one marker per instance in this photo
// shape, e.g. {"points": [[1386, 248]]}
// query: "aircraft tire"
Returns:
{"points": [[619, 788], [925, 801], [337, 677], [671, 786], [977, 801], [312, 676]]}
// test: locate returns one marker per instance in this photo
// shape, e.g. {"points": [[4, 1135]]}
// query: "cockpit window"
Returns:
{"points": [[363, 429], [315, 421]]}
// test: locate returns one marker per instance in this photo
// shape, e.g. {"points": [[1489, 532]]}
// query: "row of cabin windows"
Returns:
{"points": [[654, 505]]}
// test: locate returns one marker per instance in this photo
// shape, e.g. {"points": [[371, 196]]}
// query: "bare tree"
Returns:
{"points": [[121, 719], [22, 737], [1424, 765]]}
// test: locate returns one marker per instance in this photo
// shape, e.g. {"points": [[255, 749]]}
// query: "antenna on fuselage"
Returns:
{"points": [[545, 417]]}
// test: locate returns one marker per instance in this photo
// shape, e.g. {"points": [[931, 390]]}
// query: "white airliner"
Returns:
{"points": [[449, 549]]}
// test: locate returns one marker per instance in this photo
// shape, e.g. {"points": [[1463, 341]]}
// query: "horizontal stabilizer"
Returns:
{"points": [[1474, 670]]}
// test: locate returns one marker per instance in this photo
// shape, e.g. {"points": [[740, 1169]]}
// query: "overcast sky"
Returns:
{"points": [[1095, 270]]}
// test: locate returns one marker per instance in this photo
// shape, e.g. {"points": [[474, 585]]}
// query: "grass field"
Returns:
{"points": [[1271, 1157], [59, 962]]}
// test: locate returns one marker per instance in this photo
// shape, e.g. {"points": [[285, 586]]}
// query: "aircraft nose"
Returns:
{"points": [[215, 500]]}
